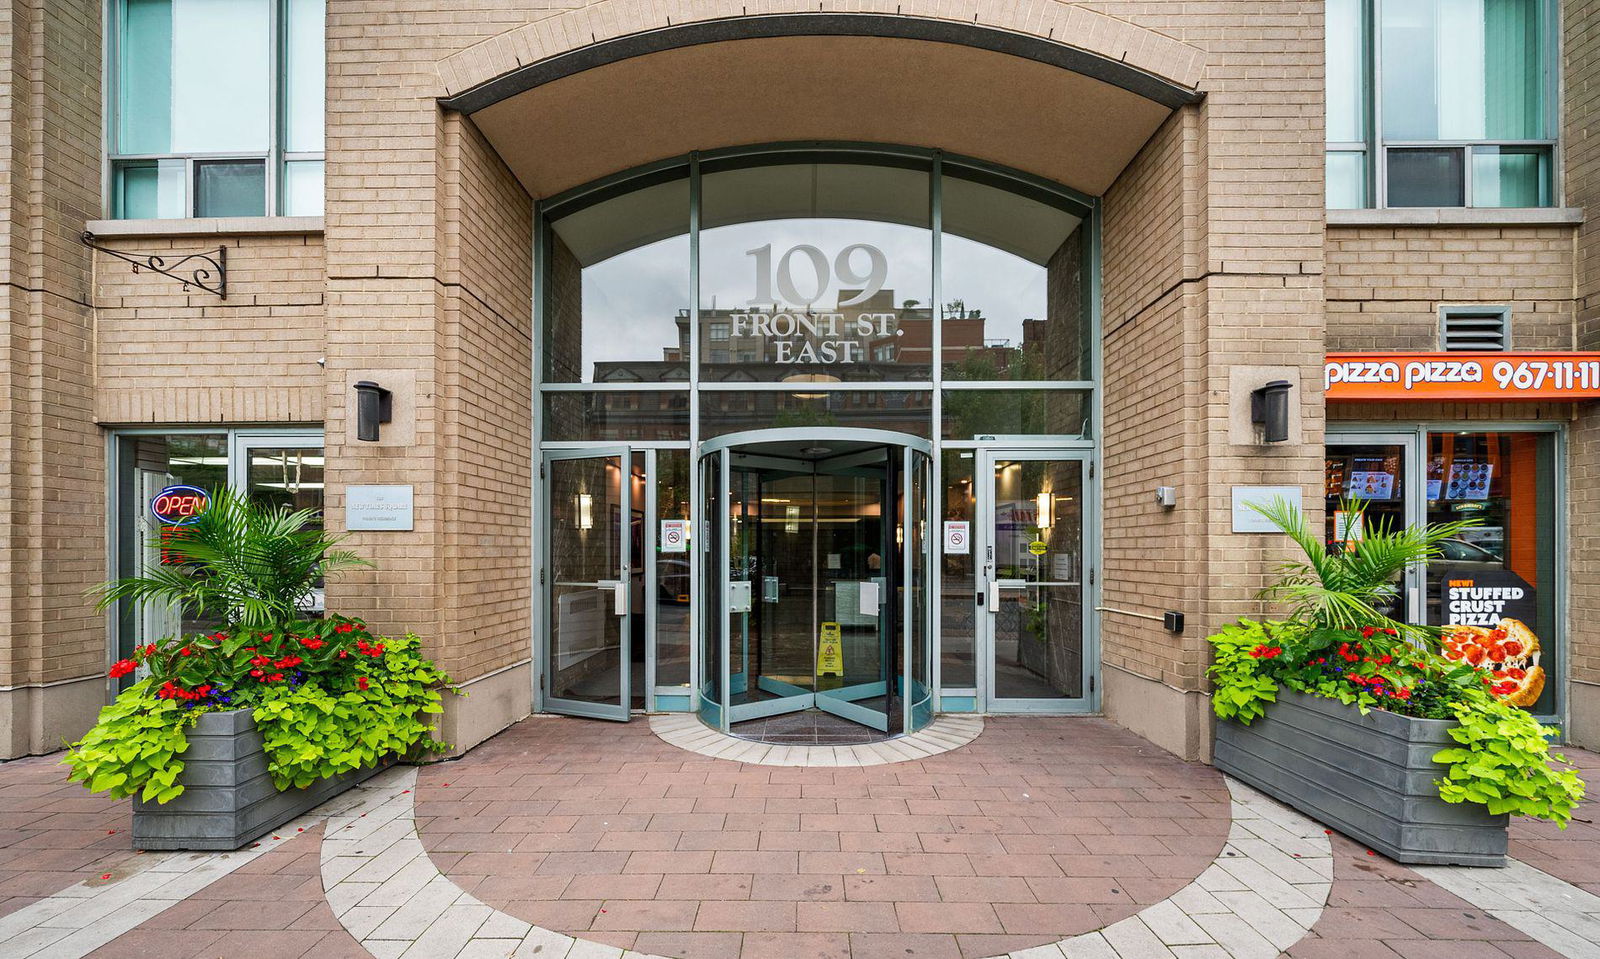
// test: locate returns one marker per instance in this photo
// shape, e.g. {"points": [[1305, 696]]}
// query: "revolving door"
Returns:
{"points": [[814, 577]]}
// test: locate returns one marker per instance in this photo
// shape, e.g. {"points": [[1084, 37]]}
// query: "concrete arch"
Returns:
{"points": [[1046, 87], [1100, 47]]}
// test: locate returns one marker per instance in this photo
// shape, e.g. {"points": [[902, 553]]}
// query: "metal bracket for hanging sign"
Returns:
{"points": [[207, 270]]}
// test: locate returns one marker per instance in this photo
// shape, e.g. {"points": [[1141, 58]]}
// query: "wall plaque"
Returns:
{"points": [[377, 508]]}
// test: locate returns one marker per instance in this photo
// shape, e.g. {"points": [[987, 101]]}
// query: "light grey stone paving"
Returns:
{"points": [[1550, 910], [940, 736]]}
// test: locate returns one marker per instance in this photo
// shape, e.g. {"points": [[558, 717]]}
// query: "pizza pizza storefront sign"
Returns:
{"points": [[1484, 599], [1461, 376]]}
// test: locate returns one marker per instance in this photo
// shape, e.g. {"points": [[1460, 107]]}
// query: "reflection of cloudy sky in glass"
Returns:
{"points": [[630, 300]]}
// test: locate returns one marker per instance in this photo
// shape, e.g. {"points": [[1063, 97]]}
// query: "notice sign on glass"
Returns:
{"points": [[957, 538], [377, 508], [674, 536]]}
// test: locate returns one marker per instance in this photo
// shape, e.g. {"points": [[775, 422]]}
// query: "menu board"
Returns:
{"points": [[1373, 477], [1469, 481]]}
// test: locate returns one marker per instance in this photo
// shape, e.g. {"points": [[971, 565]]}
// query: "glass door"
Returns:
{"points": [[1032, 583], [1375, 470], [588, 581], [284, 471]]}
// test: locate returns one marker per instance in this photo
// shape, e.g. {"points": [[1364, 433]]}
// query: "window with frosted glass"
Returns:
{"points": [[1451, 97], [211, 116]]}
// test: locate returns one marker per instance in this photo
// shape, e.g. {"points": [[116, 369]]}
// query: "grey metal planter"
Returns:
{"points": [[228, 797], [1370, 777]]}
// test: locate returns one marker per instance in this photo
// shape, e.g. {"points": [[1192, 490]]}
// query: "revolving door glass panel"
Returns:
{"points": [[822, 580]]}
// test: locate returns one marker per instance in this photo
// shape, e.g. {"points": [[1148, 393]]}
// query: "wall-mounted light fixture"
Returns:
{"points": [[1269, 409], [374, 407], [1042, 501], [585, 511]]}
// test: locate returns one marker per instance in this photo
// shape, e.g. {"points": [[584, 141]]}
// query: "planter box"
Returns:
{"points": [[228, 797], [1370, 777]]}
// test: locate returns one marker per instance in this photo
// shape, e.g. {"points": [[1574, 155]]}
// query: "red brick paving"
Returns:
{"points": [[1038, 830], [1379, 909], [54, 833], [271, 908], [1572, 854]]}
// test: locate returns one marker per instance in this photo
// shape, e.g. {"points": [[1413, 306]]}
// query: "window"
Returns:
{"points": [[217, 108], [1439, 103], [280, 467], [719, 331], [1475, 328]]}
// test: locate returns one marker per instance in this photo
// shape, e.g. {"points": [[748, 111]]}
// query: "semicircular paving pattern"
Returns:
{"points": [[532, 827]]}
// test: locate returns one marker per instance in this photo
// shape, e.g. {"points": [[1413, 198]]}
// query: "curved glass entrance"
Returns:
{"points": [[814, 569]]}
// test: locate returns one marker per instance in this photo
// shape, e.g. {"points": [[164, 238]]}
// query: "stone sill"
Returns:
{"points": [[1458, 216], [206, 226]]}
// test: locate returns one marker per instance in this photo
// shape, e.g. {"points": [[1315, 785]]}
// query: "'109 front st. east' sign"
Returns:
{"points": [[797, 332]]}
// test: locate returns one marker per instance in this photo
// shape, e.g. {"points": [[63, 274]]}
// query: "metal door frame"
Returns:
{"points": [[987, 586], [1414, 508], [620, 711]]}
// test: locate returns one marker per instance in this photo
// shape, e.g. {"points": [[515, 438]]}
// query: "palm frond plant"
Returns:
{"points": [[250, 563], [1348, 585]]}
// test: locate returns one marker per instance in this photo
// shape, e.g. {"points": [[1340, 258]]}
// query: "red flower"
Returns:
{"points": [[312, 644], [344, 653], [361, 682], [123, 667], [1266, 652], [257, 673], [1367, 631], [288, 662], [261, 661], [274, 677], [219, 637], [185, 651], [1402, 694], [344, 628]]}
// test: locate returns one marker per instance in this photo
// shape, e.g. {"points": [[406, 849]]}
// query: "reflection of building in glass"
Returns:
{"points": [[873, 340]]}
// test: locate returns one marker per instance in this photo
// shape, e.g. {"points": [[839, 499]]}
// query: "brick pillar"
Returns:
{"points": [[1581, 155], [52, 494], [429, 294], [1213, 249]]}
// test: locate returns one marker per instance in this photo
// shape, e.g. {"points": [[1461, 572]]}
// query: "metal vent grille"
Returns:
{"points": [[1476, 329]]}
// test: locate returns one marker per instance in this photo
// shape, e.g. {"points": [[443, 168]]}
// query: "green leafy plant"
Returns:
{"points": [[1338, 645], [134, 748], [1503, 763], [248, 562], [328, 696]]}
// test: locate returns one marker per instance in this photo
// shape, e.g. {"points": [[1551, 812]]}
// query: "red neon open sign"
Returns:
{"points": [[180, 505]]}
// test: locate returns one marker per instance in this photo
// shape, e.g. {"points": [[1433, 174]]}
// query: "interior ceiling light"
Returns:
{"points": [[815, 450]]}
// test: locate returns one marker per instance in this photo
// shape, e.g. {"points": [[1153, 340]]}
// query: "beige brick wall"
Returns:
{"points": [[163, 355], [52, 491], [1386, 284]]}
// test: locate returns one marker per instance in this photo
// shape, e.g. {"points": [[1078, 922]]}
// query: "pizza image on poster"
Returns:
{"points": [[1480, 630]]}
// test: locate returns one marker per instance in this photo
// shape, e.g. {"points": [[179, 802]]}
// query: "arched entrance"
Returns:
{"points": [[818, 434]]}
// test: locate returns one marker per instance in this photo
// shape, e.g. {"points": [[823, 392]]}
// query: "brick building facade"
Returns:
{"points": [[1195, 135]]}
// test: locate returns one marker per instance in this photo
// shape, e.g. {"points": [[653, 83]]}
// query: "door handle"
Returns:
{"points": [[994, 596], [619, 594]]}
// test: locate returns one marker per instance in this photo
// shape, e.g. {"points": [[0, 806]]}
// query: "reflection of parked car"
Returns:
{"points": [[672, 581], [1460, 553]]}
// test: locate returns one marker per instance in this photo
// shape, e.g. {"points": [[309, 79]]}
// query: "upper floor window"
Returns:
{"points": [[1440, 103], [217, 107]]}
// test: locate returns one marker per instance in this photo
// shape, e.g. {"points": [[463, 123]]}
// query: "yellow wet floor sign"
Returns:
{"points": [[830, 651]]}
